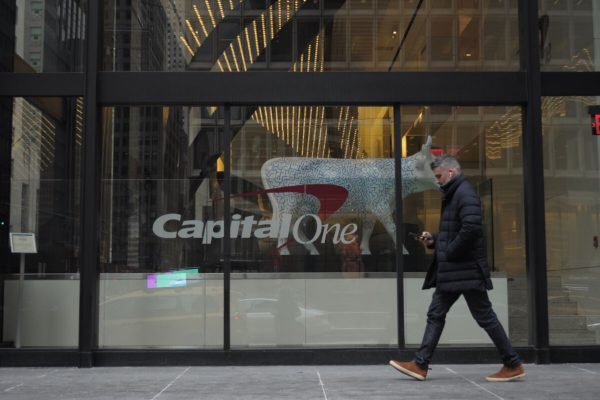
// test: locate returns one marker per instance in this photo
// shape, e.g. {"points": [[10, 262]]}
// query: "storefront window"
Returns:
{"points": [[313, 232], [487, 143], [572, 192], [310, 35], [161, 280], [569, 32], [40, 157], [314, 187], [43, 36]]}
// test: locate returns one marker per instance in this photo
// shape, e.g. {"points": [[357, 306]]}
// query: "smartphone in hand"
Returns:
{"points": [[415, 236]]}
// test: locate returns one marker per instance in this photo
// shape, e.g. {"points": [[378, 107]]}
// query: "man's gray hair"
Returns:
{"points": [[446, 161]]}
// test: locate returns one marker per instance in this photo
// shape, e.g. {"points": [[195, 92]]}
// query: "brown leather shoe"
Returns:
{"points": [[411, 369], [507, 374]]}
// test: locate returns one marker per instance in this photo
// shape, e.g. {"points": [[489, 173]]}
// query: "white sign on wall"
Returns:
{"points": [[22, 243]]}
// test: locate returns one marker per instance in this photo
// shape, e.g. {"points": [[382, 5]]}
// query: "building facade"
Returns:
{"points": [[218, 182]]}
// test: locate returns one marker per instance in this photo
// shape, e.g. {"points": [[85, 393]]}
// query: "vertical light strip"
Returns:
{"points": [[279, 15], [227, 61], [287, 9], [359, 148], [311, 142], [231, 7], [200, 20], [325, 134], [287, 123], [344, 130], [300, 116], [322, 131], [220, 66], [310, 121], [187, 46], [313, 146], [271, 117], [277, 121], [295, 140], [271, 23], [210, 14], [239, 41], [266, 114], [303, 125], [264, 29], [249, 46], [237, 66], [353, 149], [308, 57], [221, 9], [189, 26], [344, 126], [348, 137], [262, 122], [301, 62], [256, 40], [282, 122], [293, 132], [316, 53], [340, 118], [348, 134]]}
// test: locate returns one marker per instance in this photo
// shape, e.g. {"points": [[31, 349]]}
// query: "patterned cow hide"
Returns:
{"points": [[369, 182]]}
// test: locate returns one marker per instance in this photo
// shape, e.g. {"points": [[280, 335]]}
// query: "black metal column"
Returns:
{"points": [[533, 180], [88, 291], [227, 220], [399, 225]]}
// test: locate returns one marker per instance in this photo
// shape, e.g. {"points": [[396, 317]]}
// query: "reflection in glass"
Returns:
{"points": [[238, 36], [572, 192], [43, 36], [313, 189], [486, 141], [40, 195], [568, 34], [161, 218]]}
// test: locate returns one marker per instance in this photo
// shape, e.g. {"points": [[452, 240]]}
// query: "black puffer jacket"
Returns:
{"points": [[460, 262]]}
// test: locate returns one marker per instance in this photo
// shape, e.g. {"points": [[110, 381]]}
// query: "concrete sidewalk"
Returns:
{"points": [[445, 382]]}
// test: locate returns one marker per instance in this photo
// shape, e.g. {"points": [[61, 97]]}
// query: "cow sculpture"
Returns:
{"points": [[369, 182]]}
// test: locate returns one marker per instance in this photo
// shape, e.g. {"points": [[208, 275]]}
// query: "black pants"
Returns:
{"points": [[481, 309]]}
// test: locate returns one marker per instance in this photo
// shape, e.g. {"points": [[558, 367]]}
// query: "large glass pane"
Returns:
{"points": [[487, 143], [40, 193], [570, 35], [572, 192], [313, 259], [42, 36], [300, 35], [161, 227]]}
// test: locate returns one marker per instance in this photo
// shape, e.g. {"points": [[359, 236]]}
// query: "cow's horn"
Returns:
{"points": [[427, 146]]}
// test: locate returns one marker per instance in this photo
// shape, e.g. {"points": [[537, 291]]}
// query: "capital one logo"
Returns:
{"points": [[331, 198]]}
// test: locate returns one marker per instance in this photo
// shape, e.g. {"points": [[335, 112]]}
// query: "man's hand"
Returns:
{"points": [[426, 238]]}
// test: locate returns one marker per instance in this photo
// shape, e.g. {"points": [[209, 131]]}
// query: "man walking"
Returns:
{"points": [[459, 268]]}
